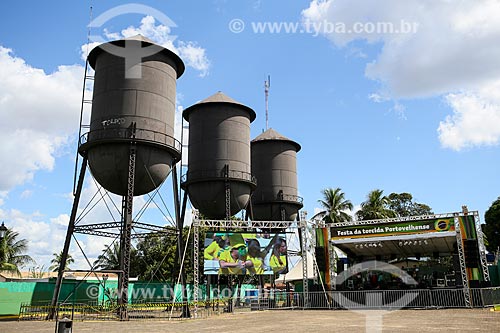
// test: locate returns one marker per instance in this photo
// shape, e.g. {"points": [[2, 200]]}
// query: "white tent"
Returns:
{"points": [[296, 274]]}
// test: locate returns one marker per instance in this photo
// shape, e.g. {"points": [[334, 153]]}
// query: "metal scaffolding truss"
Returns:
{"points": [[481, 247], [303, 246], [332, 261], [239, 224], [99, 229], [461, 257], [236, 224]]}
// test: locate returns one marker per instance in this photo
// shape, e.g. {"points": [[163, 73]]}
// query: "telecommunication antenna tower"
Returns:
{"points": [[267, 85]]}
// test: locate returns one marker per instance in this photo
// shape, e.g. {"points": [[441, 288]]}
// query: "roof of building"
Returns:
{"points": [[218, 97], [273, 135]]}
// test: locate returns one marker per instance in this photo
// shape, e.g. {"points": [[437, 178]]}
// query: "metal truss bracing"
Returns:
{"points": [[303, 246], [332, 261], [125, 241], [227, 186], [237, 224], [196, 242], [461, 257], [482, 249], [97, 229]]}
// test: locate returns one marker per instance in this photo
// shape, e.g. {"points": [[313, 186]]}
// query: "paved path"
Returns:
{"points": [[407, 321]]}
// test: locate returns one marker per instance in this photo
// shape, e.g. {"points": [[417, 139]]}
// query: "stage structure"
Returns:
{"points": [[457, 235], [248, 226], [129, 145]]}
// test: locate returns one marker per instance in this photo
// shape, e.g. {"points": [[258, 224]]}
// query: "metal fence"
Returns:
{"points": [[136, 311], [366, 299], [376, 299]]}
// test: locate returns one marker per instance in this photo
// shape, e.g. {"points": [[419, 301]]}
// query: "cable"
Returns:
{"points": [[182, 265]]}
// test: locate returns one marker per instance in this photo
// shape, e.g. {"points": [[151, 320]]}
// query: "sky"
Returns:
{"points": [[402, 96]]}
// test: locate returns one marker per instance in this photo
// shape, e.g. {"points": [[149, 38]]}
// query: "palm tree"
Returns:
{"points": [[335, 206], [12, 251], [56, 262], [375, 207], [110, 257]]}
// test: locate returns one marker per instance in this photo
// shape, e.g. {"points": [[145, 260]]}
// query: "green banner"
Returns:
{"points": [[393, 228]]}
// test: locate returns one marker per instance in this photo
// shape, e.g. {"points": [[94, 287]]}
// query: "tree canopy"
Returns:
{"points": [[12, 252], [56, 261], [154, 258], [335, 206], [404, 205], [110, 259], [375, 207], [491, 228]]}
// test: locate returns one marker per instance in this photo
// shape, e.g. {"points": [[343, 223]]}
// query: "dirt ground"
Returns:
{"points": [[283, 321]]}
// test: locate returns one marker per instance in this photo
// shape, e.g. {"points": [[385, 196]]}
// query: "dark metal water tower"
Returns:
{"points": [[130, 146], [274, 164], [141, 107], [219, 156]]}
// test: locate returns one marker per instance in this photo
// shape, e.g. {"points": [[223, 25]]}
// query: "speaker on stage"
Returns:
{"points": [[340, 266], [320, 258], [458, 272], [474, 283], [471, 253]]}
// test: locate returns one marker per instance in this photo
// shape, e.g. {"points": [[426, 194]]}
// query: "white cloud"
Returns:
{"points": [[39, 112], [355, 209], [194, 56], [453, 52], [3, 195], [475, 120], [26, 194], [377, 98]]}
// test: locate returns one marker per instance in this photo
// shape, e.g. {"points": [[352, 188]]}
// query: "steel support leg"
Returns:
{"points": [[125, 240], [305, 282], [69, 234]]}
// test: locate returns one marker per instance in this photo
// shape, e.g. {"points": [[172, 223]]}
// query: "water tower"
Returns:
{"points": [[274, 164], [219, 180], [130, 146], [141, 108]]}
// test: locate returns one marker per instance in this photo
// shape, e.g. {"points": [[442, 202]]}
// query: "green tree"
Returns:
{"points": [[158, 258], [12, 252], [403, 205], [110, 259], [375, 207], [56, 262], [491, 228], [37, 272], [335, 206]]}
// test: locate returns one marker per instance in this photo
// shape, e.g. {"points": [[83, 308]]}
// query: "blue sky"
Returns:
{"points": [[415, 112]]}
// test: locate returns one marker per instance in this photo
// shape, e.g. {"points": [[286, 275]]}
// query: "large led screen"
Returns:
{"points": [[228, 253]]}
